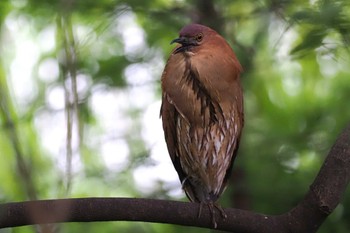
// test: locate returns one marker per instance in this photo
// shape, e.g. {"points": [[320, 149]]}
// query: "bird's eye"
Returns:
{"points": [[199, 37]]}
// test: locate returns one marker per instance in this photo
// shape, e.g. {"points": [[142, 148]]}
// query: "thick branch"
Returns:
{"points": [[326, 190], [113, 209], [323, 196]]}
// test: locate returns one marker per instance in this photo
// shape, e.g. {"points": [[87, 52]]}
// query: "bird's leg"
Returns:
{"points": [[200, 209], [212, 213], [212, 206], [211, 210]]}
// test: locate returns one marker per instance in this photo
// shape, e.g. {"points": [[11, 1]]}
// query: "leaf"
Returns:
{"points": [[313, 39]]}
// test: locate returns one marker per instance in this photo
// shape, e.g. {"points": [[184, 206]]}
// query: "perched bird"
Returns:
{"points": [[202, 112]]}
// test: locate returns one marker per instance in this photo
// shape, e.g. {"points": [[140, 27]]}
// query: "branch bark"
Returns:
{"points": [[322, 198]]}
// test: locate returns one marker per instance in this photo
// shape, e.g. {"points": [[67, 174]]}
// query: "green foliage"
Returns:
{"points": [[76, 127]]}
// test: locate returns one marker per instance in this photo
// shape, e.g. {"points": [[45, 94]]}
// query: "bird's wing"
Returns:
{"points": [[185, 91], [177, 102], [169, 115]]}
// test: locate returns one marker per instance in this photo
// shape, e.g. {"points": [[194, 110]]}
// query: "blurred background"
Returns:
{"points": [[80, 99]]}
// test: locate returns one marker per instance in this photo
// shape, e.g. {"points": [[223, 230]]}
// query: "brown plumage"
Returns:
{"points": [[202, 111]]}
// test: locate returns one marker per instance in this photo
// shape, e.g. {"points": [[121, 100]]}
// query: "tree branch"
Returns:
{"points": [[322, 198]]}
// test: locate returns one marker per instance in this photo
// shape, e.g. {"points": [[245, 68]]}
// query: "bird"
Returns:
{"points": [[202, 112]]}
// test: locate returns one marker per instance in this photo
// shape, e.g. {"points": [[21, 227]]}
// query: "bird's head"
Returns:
{"points": [[190, 36]]}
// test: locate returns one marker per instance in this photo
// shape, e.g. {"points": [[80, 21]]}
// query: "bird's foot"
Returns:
{"points": [[212, 206], [221, 210]]}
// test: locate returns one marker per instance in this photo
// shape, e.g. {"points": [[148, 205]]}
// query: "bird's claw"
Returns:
{"points": [[212, 207]]}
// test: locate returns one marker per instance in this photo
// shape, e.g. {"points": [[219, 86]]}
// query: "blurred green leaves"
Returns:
{"points": [[325, 19]]}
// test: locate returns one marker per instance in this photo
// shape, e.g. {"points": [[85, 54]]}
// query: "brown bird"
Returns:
{"points": [[202, 112]]}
